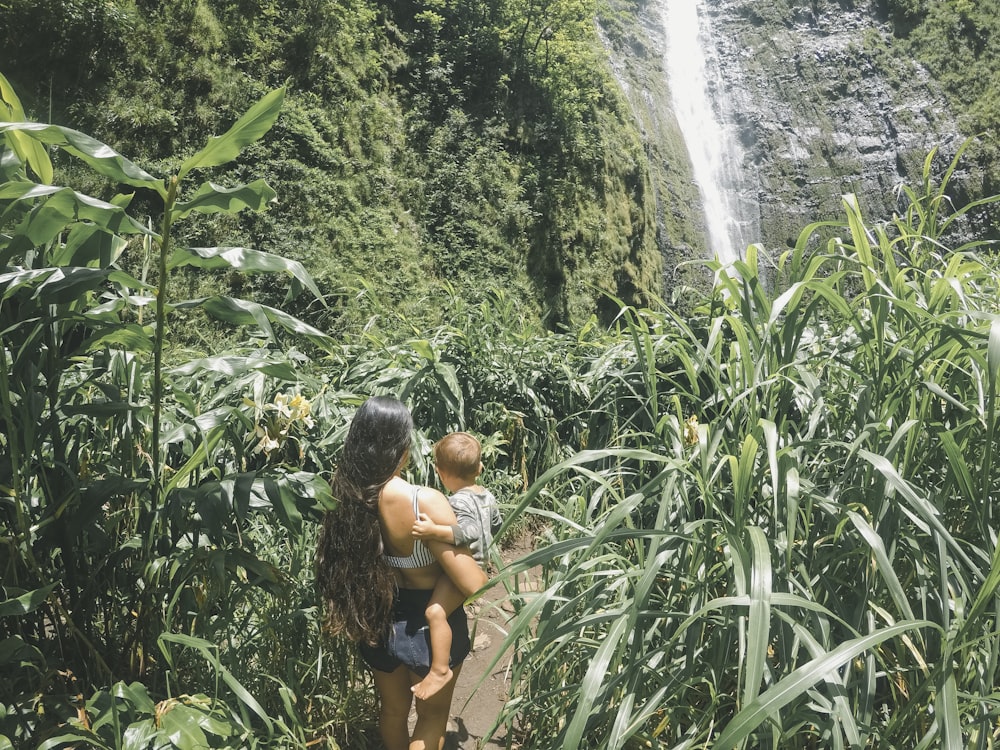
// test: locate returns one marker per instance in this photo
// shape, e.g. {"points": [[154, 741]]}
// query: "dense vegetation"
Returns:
{"points": [[959, 42], [767, 515], [767, 522], [420, 146]]}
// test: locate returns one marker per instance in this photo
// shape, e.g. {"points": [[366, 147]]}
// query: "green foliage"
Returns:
{"points": [[778, 534], [130, 487], [957, 41], [420, 145]]}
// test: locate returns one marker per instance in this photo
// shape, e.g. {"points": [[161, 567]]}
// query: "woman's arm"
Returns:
{"points": [[458, 564]]}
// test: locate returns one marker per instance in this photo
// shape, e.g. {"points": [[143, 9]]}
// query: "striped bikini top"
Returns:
{"points": [[421, 557]]}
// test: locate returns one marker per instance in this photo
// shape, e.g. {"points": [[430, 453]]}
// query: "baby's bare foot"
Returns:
{"points": [[431, 684]]}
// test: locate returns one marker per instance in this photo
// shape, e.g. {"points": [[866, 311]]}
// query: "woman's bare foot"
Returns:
{"points": [[433, 682]]}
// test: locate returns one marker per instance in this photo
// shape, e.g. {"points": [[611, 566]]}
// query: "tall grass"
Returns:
{"points": [[786, 537], [768, 522]]}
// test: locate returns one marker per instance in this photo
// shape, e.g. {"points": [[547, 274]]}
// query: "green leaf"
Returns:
{"points": [[70, 283], [208, 651], [993, 349], [233, 367], [243, 312], [89, 245], [590, 689], [73, 737], [14, 650], [282, 501], [798, 682], [947, 712], [137, 696], [212, 199], [251, 126], [242, 259], [129, 336], [26, 603], [180, 723], [102, 158], [758, 635], [140, 734], [28, 150]]}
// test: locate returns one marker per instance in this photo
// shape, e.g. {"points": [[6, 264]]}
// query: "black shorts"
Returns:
{"points": [[409, 642]]}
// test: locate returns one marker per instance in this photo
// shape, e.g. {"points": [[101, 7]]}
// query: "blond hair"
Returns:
{"points": [[459, 454]]}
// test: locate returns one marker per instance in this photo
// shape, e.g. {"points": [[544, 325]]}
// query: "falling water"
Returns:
{"points": [[714, 152]]}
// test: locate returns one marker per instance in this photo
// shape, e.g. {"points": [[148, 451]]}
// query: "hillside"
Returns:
{"points": [[429, 147], [420, 146]]}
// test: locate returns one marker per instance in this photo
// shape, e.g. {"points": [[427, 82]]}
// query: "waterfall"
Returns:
{"points": [[716, 157]]}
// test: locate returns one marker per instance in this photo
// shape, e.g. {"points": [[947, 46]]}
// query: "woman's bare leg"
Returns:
{"points": [[394, 707], [432, 716]]}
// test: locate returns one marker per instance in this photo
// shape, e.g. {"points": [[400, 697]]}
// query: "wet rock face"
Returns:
{"points": [[823, 108], [821, 102]]}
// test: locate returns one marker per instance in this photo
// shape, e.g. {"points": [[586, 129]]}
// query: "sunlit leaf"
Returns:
{"points": [[100, 157], [25, 603], [211, 198], [795, 685], [250, 127], [242, 259]]}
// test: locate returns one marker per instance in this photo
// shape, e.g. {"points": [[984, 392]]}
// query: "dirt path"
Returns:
{"points": [[476, 706]]}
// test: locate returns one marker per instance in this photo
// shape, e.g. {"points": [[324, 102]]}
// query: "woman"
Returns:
{"points": [[376, 580]]}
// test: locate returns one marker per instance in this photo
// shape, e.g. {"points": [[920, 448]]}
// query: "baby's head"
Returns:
{"points": [[458, 460]]}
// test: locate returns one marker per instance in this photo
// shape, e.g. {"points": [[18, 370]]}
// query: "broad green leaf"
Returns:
{"points": [[58, 210], [243, 312], [129, 336], [424, 348], [233, 367], [209, 651], [796, 684], [26, 603], [28, 150], [591, 693], [198, 458], [14, 281], [15, 650], [211, 199], [180, 724], [140, 734], [759, 631], [136, 694], [89, 245], [251, 126], [993, 349], [73, 737], [69, 283], [282, 501], [207, 721], [102, 158], [242, 259]]}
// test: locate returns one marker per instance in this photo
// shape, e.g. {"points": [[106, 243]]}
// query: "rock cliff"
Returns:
{"points": [[820, 102]]}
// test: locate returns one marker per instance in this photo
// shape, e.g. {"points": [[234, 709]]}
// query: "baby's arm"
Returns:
{"points": [[458, 563], [424, 528]]}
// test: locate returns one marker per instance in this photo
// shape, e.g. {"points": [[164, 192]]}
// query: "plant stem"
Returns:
{"points": [[161, 315]]}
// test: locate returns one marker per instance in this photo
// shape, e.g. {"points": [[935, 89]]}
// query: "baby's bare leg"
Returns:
{"points": [[445, 600]]}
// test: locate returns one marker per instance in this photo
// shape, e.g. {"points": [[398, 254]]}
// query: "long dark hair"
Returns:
{"points": [[356, 585]]}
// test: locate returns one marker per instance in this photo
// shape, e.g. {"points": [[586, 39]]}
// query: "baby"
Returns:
{"points": [[457, 460]]}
